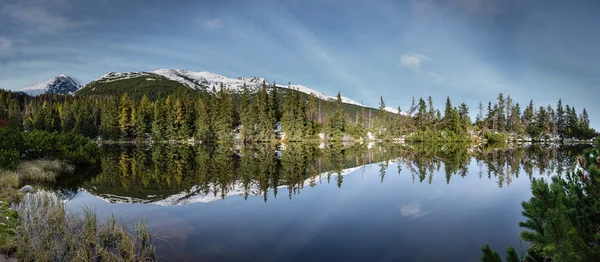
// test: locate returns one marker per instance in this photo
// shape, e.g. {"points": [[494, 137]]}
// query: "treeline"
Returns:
{"points": [[538, 123], [270, 114]]}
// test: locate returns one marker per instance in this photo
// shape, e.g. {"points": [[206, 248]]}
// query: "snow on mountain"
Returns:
{"points": [[114, 76], [395, 110], [319, 94], [61, 84], [207, 81]]}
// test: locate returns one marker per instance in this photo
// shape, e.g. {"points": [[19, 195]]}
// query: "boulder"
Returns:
{"points": [[26, 189]]}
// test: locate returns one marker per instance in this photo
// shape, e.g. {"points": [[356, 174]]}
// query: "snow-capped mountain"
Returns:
{"points": [[61, 84], [208, 81]]}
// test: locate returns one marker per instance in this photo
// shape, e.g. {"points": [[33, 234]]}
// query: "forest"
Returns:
{"points": [[272, 114]]}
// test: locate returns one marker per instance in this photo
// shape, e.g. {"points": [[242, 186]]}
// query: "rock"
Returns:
{"points": [[26, 189]]}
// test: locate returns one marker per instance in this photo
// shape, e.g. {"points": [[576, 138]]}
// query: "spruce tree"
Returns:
{"points": [[301, 123], [288, 115], [143, 119], [560, 118], [159, 125], [125, 112], [202, 124], [383, 118], [247, 115]]}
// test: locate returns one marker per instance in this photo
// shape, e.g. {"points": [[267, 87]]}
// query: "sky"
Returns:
{"points": [[470, 50]]}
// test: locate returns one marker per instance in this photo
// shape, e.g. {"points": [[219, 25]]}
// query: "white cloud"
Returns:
{"points": [[5, 43], [211, 25], [40, 18], [413, 60]]}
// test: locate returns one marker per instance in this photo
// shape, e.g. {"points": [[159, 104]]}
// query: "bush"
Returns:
{"points": [[68, 147], [495, 137]]}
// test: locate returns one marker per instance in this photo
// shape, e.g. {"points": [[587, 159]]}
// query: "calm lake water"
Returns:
{"points": [[303, 202]]}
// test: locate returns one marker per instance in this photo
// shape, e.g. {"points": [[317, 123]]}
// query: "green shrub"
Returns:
{"points": [[495, 137], [68, 147]]}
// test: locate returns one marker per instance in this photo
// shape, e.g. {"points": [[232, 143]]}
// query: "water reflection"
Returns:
{"points": [[303, 202], [167, 174]]}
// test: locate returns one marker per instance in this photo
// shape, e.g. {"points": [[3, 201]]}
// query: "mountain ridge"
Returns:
{"points": [[201, 80]]}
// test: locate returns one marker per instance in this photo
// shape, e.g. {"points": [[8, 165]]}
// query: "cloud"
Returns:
{"points": [[40, 18], [211, 25], [413, 210], [413, 60], [5, 43]]}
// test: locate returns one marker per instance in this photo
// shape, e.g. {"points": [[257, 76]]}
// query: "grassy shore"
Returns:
{"points": [[38, 227]]}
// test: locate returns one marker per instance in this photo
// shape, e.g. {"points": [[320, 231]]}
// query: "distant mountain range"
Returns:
{"points": [[206, 81], [61, 84]]}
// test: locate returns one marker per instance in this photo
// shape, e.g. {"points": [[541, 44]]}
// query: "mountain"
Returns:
{"points": [[204, 81], [61, 84]]}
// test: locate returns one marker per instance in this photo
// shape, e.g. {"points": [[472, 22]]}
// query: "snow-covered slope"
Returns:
{"points": [[208, 81], [394, 110], [61, 84], [319, 94]]}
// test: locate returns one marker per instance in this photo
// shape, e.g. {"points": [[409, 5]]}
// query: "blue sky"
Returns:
{"points": [[470, 50]]}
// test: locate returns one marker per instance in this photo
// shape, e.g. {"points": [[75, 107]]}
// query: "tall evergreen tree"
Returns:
{"points": [[125, 116], [560, 118]]}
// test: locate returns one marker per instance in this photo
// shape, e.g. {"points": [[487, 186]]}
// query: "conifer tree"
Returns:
{"points": [[560, 118], [143, 118], [300, 123], [159, 121], [422, 122], [109, 127], [202, 124], [125, 112], [288, 115], [383, 118], [336, 123], [247, 115], [181, 123]]}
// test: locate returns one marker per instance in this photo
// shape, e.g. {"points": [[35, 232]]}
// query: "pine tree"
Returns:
{"points": [[383, 118], [528, 118], [143, 119], [265, 117], [336, 121], [313, 115], [224, 122], [501, 114], [125, 112], [109, 123], [422, 122], [247, 115], [479, 117], [202, 124], [560, 118], [288, 115], [463, 111], [301, 120], [159, 121], [181, 120]]}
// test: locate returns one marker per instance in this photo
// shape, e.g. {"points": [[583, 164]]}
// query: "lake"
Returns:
{"points": [[305, 202]]}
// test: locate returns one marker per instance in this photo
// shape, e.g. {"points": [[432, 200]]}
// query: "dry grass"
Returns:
{"points": [[9, 179], [45, 232], [42, 170]]}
